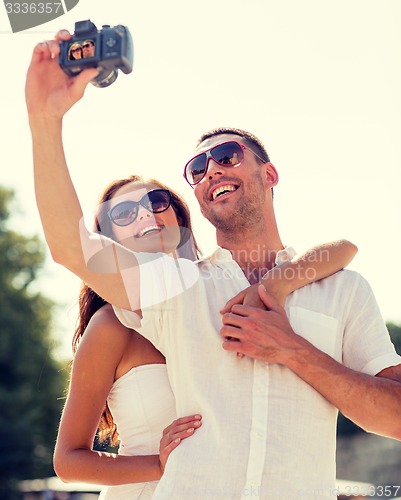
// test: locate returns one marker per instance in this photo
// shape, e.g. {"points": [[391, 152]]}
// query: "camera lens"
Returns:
{"points": [[105, 78]]}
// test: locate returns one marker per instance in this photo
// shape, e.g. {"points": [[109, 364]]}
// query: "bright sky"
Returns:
{"points": [[318, 81]]}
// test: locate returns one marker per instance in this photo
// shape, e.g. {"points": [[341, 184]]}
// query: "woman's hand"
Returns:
{"points": [[49, 92], [180, 429], [250, 297]]}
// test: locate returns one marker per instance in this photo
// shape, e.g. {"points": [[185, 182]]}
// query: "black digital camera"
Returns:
{"points": [[108, 50]]}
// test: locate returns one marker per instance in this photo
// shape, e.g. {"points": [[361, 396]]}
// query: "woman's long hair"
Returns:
{"points": [[89, 301]]}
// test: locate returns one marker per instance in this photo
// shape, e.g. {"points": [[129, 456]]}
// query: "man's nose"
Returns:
{"points": [[214, 169]]}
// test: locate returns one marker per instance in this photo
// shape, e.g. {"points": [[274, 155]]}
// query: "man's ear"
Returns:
{"points": [[271, 174]]}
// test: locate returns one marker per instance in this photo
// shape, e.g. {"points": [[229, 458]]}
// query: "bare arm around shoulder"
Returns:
{"points": [[50, 93], [315, 264], [99, 354]]}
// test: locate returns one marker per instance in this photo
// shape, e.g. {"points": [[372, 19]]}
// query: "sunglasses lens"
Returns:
{"points": [[196, 169], [229, 153], [158, 200], [155, 201], [124, 213]]}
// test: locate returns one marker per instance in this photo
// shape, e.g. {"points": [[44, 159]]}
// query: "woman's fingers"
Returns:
{"points": [[54, 47], [182, 427], [63, 35], [40, 51], [49, 49], [173, 435], [182, 421]]}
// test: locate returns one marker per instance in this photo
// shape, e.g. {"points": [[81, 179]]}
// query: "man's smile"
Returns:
{"points": [[222, 189]]}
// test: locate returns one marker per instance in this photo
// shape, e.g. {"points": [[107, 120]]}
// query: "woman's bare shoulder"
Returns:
{"points": [[105, 328]]}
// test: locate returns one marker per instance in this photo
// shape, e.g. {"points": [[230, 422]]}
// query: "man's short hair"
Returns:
{"points": [[253, 142]]}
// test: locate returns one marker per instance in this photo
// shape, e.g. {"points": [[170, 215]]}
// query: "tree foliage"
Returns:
{"points": [[31, 381]]}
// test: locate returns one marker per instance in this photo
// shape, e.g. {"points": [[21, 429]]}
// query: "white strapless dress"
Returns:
{"points": [[142, 405]]}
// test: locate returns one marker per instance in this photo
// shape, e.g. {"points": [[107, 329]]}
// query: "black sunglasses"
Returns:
{"points": [[155, 201], [228, 154]]}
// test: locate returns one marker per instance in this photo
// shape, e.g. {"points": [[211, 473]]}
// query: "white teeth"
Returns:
{"points": [[146, 230], [222, 189]]}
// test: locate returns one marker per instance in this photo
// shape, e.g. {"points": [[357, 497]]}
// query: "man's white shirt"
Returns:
{"points": [[265, 433]]}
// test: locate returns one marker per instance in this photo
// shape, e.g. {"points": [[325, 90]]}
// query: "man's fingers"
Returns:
{"points": [[236, 315], [235, 346], [231, 332]]}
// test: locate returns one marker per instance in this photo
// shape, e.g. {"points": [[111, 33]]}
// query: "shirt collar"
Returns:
{"points": [[224, 255]]}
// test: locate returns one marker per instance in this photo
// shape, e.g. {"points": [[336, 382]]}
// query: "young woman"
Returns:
{"points": [[130, 393], [75, 52]]}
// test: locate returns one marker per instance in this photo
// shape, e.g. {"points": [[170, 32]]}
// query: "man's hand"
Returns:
{"points": [[260, 334], [180, 429], [49, 92]]}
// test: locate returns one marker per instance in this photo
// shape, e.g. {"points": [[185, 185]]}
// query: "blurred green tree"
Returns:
{"points": [[31, 380]]}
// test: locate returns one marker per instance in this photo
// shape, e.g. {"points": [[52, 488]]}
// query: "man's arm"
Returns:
{"points": [[50, 93], [372, 402]]}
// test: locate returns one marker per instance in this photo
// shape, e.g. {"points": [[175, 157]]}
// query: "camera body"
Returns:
{"points": [[108, 50]]}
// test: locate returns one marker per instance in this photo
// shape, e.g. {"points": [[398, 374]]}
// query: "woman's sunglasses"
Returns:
{"points": [[228, 154], [155, 201]]}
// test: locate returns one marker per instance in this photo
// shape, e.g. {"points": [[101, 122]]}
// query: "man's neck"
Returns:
{"points": [[255, 256]]}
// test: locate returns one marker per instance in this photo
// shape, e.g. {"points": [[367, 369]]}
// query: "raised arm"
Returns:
{"points": [[50, 93]]}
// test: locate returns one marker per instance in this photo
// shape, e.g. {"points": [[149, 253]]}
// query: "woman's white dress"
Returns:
{"points": [[142, 405]]}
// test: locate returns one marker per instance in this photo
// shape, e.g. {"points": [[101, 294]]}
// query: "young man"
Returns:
{"points": [[269, 418], [328, 349], [88, 48]]}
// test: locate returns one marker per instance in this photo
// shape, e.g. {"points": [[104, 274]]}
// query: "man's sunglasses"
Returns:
{"points": [[87, 45], [228, 154], [155, 201]]}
